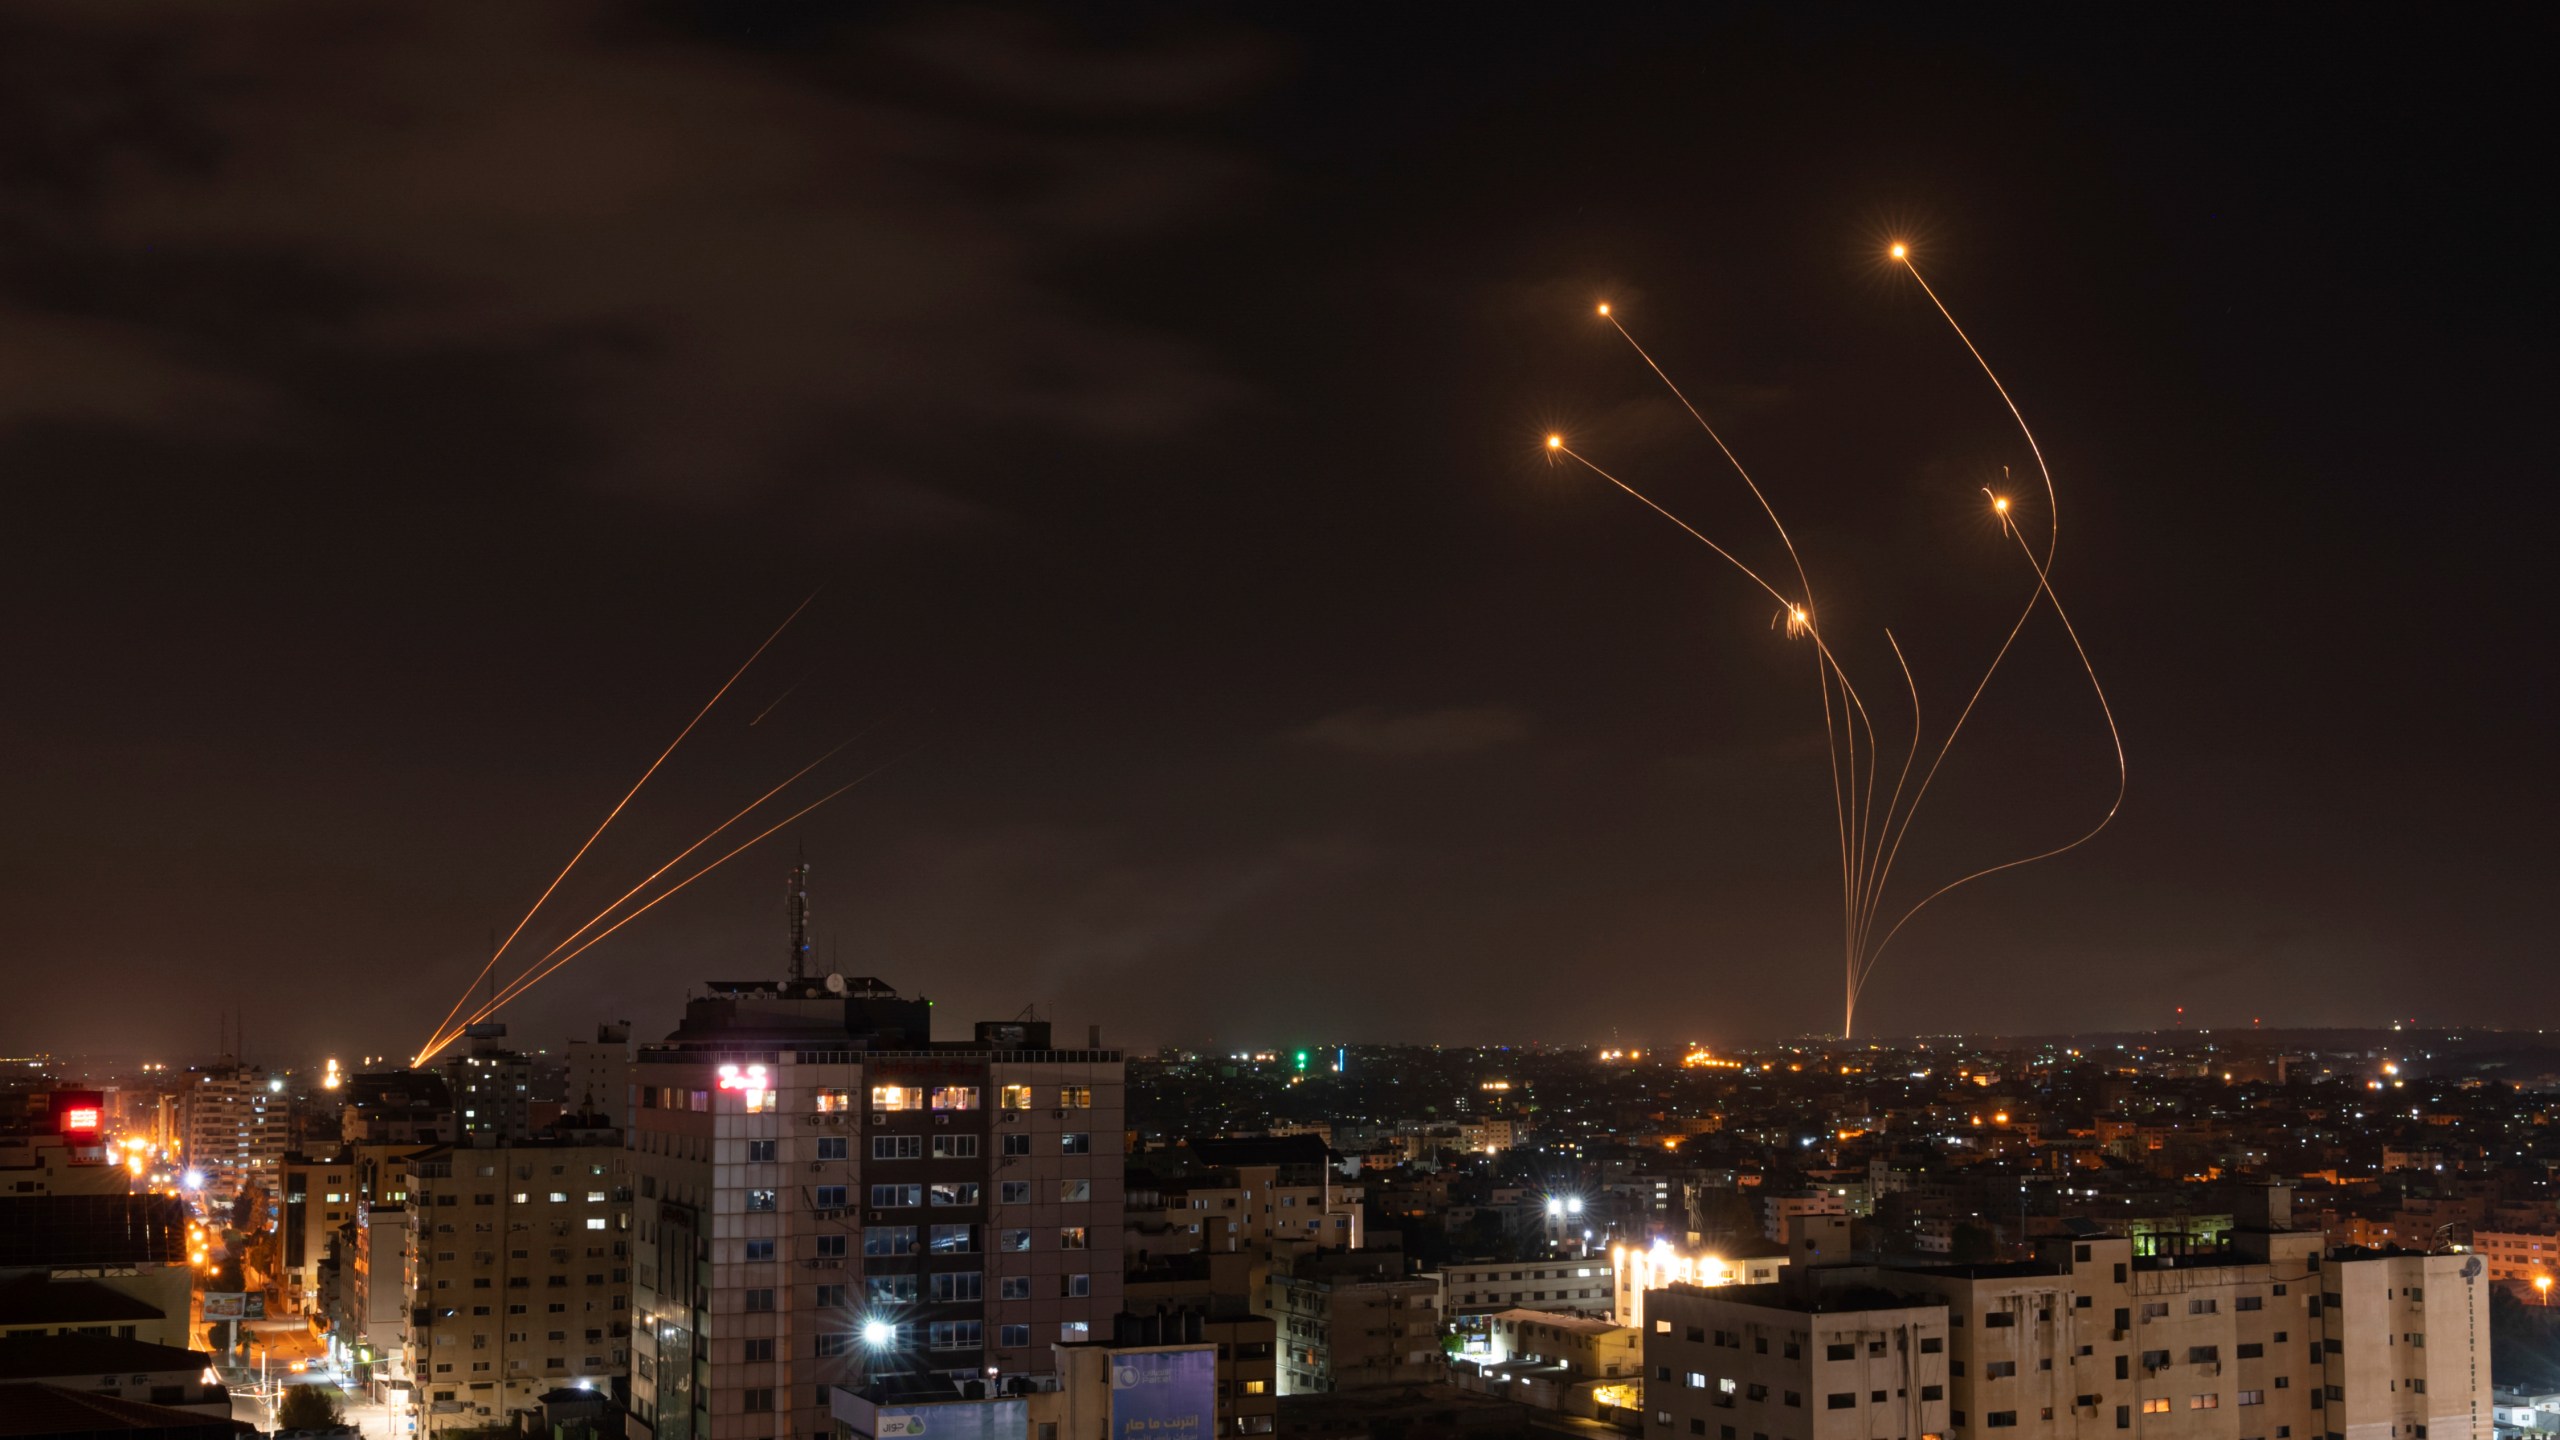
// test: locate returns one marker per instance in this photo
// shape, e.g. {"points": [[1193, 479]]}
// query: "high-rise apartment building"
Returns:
{"points": [[829, 1197], [600, 1073], [519, 1273], [236, 1120], [500, 1093]]}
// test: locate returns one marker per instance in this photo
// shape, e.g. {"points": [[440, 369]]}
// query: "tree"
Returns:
{"points": [[308, 1407]]}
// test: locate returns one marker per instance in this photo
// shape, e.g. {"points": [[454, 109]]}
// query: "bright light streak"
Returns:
{"points": [[618, 805]]}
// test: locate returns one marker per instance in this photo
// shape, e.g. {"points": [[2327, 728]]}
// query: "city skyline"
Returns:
{"points": [[1157, 412]]}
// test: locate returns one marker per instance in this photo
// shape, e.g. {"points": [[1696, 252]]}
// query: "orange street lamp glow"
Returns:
{"points": [[1604, 307], [1555, 442], [1899, 250], [2001, 504]]}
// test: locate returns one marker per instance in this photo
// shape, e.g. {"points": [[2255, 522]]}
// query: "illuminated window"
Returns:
{"points": [[2156, 1407], [1014, 1097], [897, 1097], [955, 1097], [1075, 1097], [834, 1102]]}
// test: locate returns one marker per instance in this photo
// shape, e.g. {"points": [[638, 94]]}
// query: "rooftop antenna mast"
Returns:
{"points": [[798, 905]]}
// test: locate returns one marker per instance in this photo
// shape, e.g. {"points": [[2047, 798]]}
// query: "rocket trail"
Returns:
{"points": [[529, 981], [492, 961], [777, 700], [448, 1034], [2115, 737]]}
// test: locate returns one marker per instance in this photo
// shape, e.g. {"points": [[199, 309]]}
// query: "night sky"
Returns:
{"points": [[410, 415]]}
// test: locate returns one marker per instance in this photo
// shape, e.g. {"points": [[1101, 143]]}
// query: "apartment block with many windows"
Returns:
{"points": [[828, 1197], [518, 1272]]}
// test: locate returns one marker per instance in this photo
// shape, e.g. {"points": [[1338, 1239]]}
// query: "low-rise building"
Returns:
{"points": [[109, 1265], [1794, 1362], [1348, 1320], [135, 1370], [1477, 1288], [1580, 1347]]}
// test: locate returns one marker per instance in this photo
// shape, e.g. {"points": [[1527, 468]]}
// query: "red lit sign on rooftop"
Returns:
{"points": [[80, 1120]]}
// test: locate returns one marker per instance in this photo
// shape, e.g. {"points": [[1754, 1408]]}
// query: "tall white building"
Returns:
{"points": [[236, 1119], [827, 1197]]}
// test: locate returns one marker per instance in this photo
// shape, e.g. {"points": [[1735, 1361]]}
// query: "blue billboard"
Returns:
{"points": [[1164, 1394]]}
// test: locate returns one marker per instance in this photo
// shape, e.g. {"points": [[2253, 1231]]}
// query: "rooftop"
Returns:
{"points": [[1574, 1324], [35, 1300], [62, 1231], [51, 1410], [1843, 1300], [38, 1357]]}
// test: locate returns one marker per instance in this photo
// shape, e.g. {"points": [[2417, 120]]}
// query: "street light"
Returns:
{"points": [[878, 1333], [2542, 1283]]}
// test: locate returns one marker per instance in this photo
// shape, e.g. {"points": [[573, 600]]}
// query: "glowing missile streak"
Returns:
{"points": [[2114, 736], [527, 983], [1797, 614], [492, 961], [785, 695], [1843, 794], [447, 1036]]}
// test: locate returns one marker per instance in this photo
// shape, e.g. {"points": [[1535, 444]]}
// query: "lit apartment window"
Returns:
{"points": [[1014, 1097], [1075, 1097], [955, 1097], [1072, 1192], [834, 1102], [897, 1097]]}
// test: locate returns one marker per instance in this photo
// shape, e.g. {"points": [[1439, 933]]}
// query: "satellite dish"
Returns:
{"points": [[835, 983]]}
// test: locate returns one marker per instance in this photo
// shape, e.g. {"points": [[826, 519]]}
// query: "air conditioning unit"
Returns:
{"points": [[941, 1119], [1010, 1116], [879, 1117], [817, 1167], [1057, 1114]]}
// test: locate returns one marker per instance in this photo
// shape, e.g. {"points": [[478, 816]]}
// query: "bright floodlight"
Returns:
{"points": [[878, 1333], [193, 1180], [1555, 442], [1604, 307], [2001, 504], [1555, 1207], [1898, 250]]}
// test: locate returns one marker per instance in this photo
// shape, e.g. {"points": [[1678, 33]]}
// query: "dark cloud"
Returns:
{"points": [[1463, 730], [727, 266]]}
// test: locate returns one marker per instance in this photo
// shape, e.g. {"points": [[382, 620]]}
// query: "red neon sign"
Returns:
{"points": [[84, 1119]]}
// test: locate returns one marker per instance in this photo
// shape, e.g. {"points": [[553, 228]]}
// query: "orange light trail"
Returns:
{"points": [[1843, 789], [1871, 844], [1798, 616], [2114, 737], [492, 962], [527, 982], [446, 1036]]}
